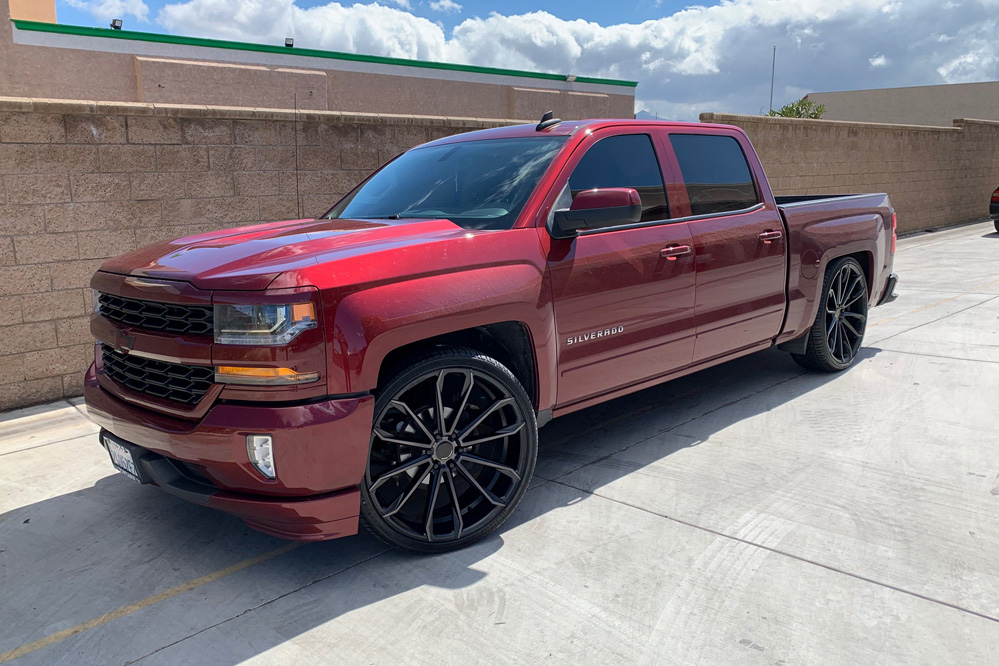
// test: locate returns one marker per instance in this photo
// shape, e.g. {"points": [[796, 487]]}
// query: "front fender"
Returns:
{"points": [[370, 323]]}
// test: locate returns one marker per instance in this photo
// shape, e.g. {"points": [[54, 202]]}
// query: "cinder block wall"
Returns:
{"points": [[83, 181], [934, 175]]}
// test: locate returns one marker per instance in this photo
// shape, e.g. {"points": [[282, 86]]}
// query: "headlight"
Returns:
{"points": [[95, 300], [262, 324]]}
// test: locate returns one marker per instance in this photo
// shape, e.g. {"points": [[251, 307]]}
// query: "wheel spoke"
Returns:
{"points": [[470, 428], [399, 469], [403, 407], [832, 325], [458, 522], [503, 469], [847, 345], [850, 298], [855, 315], [506, 431], [428, 523], [440, 402], [852, 329], [475, 484], [469, 384], [402, 499], [834, 340], [385, 436]]}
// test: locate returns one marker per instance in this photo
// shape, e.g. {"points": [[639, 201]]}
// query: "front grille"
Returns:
{"points": [[154, 316], [185, 384]]}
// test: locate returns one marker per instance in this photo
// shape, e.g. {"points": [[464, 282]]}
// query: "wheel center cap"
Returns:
{"points": [[444, 450]]}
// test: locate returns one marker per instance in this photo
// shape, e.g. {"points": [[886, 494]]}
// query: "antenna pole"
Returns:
{"points": [[298, 197], [773, 68]]}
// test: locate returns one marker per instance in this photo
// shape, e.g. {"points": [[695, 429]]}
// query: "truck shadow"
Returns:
{"points": [[75, 557]]}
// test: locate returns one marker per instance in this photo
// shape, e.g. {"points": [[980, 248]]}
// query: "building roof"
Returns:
{"points": [[107, 33]]}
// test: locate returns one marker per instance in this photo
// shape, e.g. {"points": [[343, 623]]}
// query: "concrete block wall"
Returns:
{"points": [[935, 176], [83, 181]]}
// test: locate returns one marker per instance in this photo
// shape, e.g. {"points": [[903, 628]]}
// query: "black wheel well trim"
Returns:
{"points": [[509, 342]]}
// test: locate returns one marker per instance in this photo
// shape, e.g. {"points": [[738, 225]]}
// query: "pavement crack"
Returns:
{"points": [[260, 605], [785, 553], [933, 321]]}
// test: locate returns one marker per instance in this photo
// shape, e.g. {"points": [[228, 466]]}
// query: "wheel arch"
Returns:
{"points": [[508, 342]]}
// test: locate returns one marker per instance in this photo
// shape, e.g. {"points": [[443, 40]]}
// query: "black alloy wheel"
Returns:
{"points": [[838, 331], [453, 450]]}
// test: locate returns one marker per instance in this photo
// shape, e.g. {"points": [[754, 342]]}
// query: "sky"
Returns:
{"points": [[687, 59]]}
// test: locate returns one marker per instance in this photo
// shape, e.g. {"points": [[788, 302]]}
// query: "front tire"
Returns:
{"points": [[836, 336], [453, 449]]}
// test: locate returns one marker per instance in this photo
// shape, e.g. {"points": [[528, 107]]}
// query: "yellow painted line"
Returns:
{"points": [[933, 305], [51, 639]]}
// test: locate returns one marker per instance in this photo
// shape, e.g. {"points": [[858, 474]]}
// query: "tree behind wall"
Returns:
{"points": [[803, 108]]}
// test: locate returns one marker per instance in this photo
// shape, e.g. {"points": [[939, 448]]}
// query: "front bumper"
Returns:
{"points": [[320, 452]]}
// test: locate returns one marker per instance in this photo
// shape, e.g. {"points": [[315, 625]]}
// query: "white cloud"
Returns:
{"points": [[106, 10], [445, 6], [405, 4], [698, 59]]}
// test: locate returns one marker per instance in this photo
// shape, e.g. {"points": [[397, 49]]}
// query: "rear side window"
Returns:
{"points": [[624, 161], [715, 172]]}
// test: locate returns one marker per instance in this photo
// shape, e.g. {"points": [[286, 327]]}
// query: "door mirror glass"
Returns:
{"points": [[598, 209]]}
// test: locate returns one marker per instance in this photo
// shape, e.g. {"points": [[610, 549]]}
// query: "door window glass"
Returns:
{"points": [[624, 161], [715, 173]]}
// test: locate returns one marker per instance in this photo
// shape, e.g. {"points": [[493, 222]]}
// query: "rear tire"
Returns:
{"points": [[453, 448], [996, 223], [838, 331]]}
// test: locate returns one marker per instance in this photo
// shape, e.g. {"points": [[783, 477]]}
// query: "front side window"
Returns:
{"points": [[715, 172], [475, 184], [623, 161]]}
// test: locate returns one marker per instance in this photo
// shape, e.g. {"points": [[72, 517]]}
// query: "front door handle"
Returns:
{"points": [[770, 236], [673, 251]]}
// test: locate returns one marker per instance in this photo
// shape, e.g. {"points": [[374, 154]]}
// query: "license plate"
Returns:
{"points": [[122, 459]]}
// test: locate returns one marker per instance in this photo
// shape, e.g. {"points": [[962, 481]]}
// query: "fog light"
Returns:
{"points": [[260, 448]]}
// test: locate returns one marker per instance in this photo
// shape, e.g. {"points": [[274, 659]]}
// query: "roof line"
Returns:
{"points": [[315, 53]]}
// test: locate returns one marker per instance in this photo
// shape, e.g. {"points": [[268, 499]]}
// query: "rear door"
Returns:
{"points": [[623, 296], [739, 242]]}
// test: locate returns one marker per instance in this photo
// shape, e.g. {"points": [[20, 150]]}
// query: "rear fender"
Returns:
{"points": [[813, 249], [371, 323]]}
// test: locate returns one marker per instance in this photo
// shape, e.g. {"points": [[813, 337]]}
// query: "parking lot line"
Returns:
{"points": [[51, 639]]}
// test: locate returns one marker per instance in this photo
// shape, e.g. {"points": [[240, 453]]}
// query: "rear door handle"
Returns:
{"points": [[673, 251], [770, 236]]}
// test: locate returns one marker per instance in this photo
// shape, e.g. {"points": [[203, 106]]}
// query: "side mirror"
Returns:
{"points": [[598, 209]]}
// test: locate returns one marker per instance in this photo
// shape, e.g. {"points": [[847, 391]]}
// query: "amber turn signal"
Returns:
{"points": [[231, 374]]}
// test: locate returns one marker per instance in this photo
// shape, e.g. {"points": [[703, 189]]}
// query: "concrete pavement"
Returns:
{"points": [[749, 514]]}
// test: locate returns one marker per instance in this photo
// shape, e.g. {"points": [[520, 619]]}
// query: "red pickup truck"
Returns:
{"points": [[393, 360]]}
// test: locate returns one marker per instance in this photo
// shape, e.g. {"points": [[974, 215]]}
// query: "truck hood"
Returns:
{"points": [[252, 257]]}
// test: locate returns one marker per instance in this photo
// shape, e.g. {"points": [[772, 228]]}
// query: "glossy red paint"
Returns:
{"points": [[608, 197], [606, 313]]}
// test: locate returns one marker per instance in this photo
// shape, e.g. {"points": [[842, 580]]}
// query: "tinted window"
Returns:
{"points": [[475, 184], [715, 172], [624, 161]]}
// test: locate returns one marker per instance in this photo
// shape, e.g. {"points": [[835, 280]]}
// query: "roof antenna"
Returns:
{"points": [[547, 121]]}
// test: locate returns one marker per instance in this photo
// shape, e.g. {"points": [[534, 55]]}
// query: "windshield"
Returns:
{"points": [[475, 184]]}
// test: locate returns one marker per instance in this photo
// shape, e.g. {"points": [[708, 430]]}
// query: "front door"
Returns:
{"points": [[623, 297], [739, 245]]}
